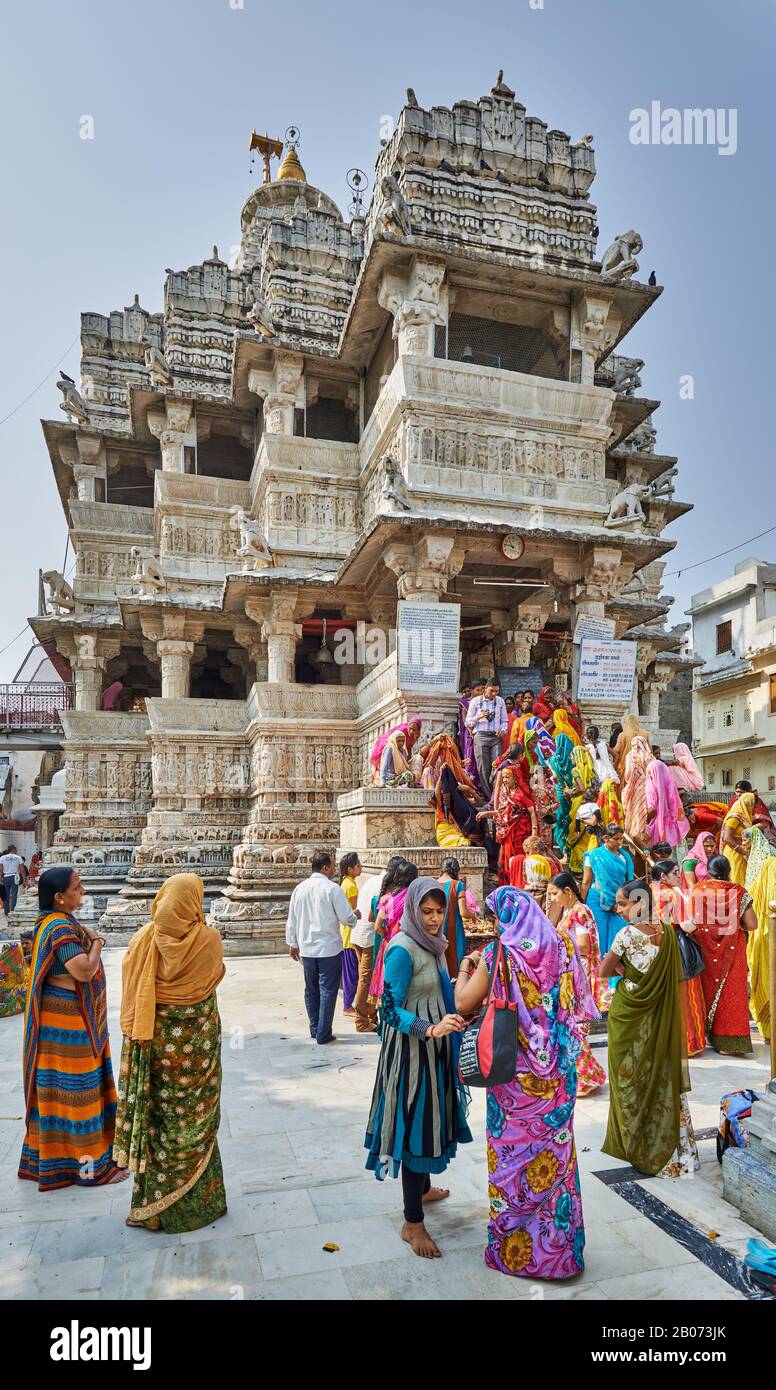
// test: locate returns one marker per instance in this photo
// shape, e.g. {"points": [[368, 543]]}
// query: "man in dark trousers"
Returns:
{"points": [[317, 910]]}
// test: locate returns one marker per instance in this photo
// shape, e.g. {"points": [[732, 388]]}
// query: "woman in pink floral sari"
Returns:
{"points": [[536, 1228], [389, 912]]}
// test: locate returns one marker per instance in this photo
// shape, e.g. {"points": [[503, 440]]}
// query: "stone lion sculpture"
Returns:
{"points": [[394, 215], [619, 260], [394, 488], [60, 594], [626, 505], [148, 571], [253, 543], [258, 315]]}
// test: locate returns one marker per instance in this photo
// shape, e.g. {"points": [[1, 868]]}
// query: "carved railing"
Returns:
{"points": [[35, 705]]}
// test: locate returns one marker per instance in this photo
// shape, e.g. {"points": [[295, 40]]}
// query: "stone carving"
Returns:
{"points": [[148, 572], [641, 441], [72, 401], [157, 367], [626, 505], [619, 260], [60, 593], [626, 375], [394, 488], [253, 547], [258, 315], [394, 215], [663, 486]]}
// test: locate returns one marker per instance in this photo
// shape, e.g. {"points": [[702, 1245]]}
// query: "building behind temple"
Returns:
{"points": [[420, 403]]}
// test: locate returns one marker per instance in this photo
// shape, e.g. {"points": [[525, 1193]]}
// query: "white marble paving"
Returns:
{"points": [[291, 1138]]}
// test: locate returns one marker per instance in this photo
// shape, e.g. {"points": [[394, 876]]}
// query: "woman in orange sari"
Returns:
{"points": [[724, 916], [515, 815], [671, 907]]}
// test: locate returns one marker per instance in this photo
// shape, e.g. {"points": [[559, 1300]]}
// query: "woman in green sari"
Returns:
{"points": [[170, 1076], [649, 1117]]}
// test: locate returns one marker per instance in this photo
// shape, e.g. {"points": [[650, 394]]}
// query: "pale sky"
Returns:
{"points": [[174, 88]]}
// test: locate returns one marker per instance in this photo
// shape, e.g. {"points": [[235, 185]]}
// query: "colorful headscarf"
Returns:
{"points": [[634, 789], [583, 765], [669, 823], [743, 809], [563, 725], [685, 772], [412, 922], [377, 749], [610, 804], [700, 856]]}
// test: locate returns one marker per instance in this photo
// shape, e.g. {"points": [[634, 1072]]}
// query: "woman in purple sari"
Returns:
{"points": [[536, 1229]]}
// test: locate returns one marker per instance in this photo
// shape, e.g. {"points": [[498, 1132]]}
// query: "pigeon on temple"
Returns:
{"points": [[502, 178], [484, 165], [596, 231], [446, 166], [543, 180], [652, 278]]}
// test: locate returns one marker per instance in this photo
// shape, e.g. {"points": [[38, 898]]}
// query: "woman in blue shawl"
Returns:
{"points": [[604, 871]]}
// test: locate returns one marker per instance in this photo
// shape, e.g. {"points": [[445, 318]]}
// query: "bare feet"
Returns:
{"points": [[418, 1237], [120, 1175], [436, 1194], [349, 1013]]}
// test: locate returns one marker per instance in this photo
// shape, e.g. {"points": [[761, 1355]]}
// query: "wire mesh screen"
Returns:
{"points": [[514, 347], [34, 706], [382, 365]]}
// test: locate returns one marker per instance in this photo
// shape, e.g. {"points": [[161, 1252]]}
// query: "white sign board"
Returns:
{"points": [[598, 629], [428, 643], [606, 671]]}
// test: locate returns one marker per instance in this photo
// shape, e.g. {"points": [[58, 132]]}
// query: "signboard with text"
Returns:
{"points": [[428, 644], [597, 629], [607, 671]]}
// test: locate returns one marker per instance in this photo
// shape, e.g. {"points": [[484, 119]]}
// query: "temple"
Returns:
{"points": [[421, 404]]}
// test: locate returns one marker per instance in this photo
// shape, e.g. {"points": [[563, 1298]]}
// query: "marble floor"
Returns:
{"points": [[292, 1130]]}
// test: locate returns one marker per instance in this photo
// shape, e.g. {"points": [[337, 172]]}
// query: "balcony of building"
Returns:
{"points": [[30, 713]]}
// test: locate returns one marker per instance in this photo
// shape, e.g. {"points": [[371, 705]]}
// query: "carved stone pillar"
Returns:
{"points": [[595, 325], [423, 570], [514, 644], [282, 391], [281, 634], [655, 684], [418, 302], [174, 426], [175, 661], [248, 635], [88, 659], [84, 477]]}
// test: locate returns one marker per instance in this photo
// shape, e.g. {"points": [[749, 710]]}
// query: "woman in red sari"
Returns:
{"points": [[724, 916], [515, 815]]}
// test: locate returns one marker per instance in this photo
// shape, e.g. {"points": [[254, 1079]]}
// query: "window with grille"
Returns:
{"points": [[773, 694], [711, 777], [771, 783], [711, 717], [747, 711], [728, 716], [747, 774], [515, 347], [725, 637], [727, 776]]}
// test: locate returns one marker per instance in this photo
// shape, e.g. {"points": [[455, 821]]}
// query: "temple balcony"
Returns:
{"points": [[30, 713], [305, 492], [192, 516]]}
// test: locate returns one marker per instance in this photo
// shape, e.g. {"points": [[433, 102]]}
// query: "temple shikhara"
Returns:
{"points": [[421, 404]]}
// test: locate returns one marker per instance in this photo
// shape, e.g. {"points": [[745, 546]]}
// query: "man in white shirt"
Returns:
{"points": [[317, 910], [486, 720], [13, 868]]}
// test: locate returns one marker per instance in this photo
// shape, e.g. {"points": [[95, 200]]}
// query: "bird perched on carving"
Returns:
{"points": [[412, 100], [652, 278], [446, 166], [502, 178], [542, 179], [485, 165], [72, 401], [596, 231]]}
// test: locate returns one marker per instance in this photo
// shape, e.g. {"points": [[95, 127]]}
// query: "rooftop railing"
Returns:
{"points": [[35, 705]]}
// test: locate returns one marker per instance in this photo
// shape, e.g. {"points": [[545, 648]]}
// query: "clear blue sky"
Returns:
{"points": [[175, 88]]}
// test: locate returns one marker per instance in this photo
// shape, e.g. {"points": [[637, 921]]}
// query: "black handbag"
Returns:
{"points": [[691, 953], [488, 1050]]}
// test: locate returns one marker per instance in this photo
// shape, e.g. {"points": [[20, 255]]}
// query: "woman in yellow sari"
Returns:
{"points": [[763, 892], [563, 725], [734, 843], [170, 1077]]}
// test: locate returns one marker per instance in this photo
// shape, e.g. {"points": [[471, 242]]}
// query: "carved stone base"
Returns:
{"points": [[749, 1175], [381, 817]]}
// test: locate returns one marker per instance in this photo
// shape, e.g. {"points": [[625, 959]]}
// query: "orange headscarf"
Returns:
{"points": [[175, 959], [562, 724]]}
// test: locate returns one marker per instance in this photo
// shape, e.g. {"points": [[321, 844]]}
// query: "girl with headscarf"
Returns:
{"points": [[536, 1228], [734, 842], [544, 705], [395, 770], [568, 913], [609, 803], [532, 863], [685, 771], [672, 908], [666, 820], [634, 792], [418, 1113], [411, 731], [70, 1098], [389, 913], [723, 913], [170, 1078], [695, 865], [649, 1117], [585, 833]]}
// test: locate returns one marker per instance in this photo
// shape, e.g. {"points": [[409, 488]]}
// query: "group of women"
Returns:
{"points": [[161, 1123]]}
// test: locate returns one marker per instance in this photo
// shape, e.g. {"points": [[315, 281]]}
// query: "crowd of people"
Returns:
{"points": [[601, 870]]}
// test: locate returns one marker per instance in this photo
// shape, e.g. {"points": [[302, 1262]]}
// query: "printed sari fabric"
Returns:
{"points": [[738, 820], [515, 816], [716, 906], [13, 979], [578, 921], [454, 928], [672, 908], [648, 1073], [610, 872], [763, 891], [536, 1228], [392, 907], [168, 1117], [68, 1077]]}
